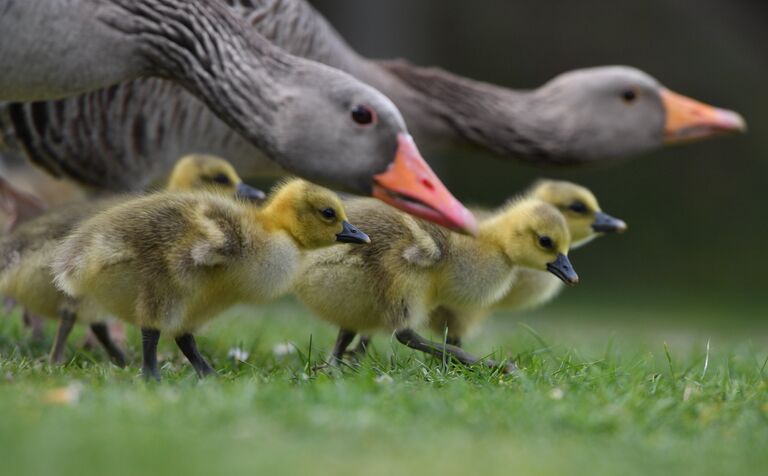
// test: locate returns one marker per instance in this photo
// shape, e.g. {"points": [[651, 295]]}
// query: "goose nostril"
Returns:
{"points": [[428, 184]]}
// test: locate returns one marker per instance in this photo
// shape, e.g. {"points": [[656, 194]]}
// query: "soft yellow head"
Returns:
{"points": [[580, 208], [200, 171], [533, 234], [312, 215]]}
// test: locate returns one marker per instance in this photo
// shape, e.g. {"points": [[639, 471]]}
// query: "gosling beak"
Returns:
{"points": [[410, 185], [604, 223], [563, 269], [690, 120], [248, 193], [351, 234]]}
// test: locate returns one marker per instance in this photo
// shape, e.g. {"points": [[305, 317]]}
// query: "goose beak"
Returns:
{"points": [[563, 269], [690, 120], [604, 223], [351, 234], [249, 194], [410, 185]]}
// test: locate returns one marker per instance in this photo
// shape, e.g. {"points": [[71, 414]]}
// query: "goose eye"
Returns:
{"points": [[328, 213], [546, 242], [578, 207], [363, 115], [629, 95], [221, 179]]}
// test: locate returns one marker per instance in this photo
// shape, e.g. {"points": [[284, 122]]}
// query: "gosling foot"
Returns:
{"points": [[413, 340], [66, 323], [149, 368], [101, 332], [188, 346]]}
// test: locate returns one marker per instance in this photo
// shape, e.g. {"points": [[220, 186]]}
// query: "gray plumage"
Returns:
{"points": [[578, 117], [275, 101]]}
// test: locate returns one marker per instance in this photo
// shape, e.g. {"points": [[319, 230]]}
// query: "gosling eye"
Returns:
{"points": [[629, 96], [363, 115], [221, 179], [578, 207], [546, 242], [328, 213]]}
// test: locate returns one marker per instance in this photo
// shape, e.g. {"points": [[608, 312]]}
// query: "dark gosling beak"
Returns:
{"points": [[248, 193], [350, 234], [563, 269], [604, 223]]}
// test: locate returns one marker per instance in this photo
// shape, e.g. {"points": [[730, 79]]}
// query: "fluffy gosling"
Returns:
{"points": [[26, 253], [532, 288], [168, 263], [412, 266]]}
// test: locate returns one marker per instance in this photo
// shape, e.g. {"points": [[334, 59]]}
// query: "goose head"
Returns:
{"points": [[580, 208], [361, 146], [199, 171], [603, 112], [533, 234], [312, 215]]}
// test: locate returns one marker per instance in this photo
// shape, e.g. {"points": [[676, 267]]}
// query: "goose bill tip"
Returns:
{"points": [[690, 120], [410, 185]]}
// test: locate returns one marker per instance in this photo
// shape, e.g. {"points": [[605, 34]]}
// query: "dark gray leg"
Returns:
{"points": [[415, 341], [343, 340], [35, 323], [66, 323], [149, 338], [101, 331], [361, 348], [454, 341], [188, 347]]}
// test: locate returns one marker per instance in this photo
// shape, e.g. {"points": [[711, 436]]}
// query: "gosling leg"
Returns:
{"points": [[413, 340], [361, 348], [343, 340], [35, 324], [101, 331], [186, 343], [149, 339], [454, 341], [66, 323]]}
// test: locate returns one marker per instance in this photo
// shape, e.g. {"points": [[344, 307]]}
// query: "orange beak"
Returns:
{"points": [[689, 120], [410, 185]]}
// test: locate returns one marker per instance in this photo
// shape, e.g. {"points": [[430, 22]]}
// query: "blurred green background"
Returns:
{"points": [[696, 212]]}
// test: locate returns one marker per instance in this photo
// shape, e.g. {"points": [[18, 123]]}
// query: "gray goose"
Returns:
{"points": [[585, 115], [312, 120]]}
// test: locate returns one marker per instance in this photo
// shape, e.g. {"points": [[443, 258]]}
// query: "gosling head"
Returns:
{"points": [[579, 206], [534, 234], [312, 215], [200, 171], [611, 111]]}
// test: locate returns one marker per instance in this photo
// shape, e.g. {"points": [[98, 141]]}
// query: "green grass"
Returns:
{"points": [[595, 396]]}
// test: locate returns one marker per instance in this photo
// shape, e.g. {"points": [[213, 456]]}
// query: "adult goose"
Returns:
{"points": [[314, 121], [585, 115]]}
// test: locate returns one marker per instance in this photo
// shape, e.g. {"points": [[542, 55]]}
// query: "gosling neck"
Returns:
{"points": [[475, 273], [213, 54]]}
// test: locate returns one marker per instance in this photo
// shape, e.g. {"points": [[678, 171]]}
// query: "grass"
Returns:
{"points": [[644, 395]]}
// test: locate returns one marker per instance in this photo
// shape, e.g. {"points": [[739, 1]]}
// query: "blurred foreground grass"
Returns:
{"points": [[597, 395]]}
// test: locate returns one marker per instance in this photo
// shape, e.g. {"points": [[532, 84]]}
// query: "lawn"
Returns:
{"points": [[678, 392]]}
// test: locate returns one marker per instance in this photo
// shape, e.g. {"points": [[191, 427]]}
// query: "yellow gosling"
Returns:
{"points": [[168, 263], [412, 266], [26, 254], [532, 288]]}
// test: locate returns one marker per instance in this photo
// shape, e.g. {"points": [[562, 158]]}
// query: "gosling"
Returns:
{"points": [[412, 266], [27, 252], [168, 263], [532, 288]]}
